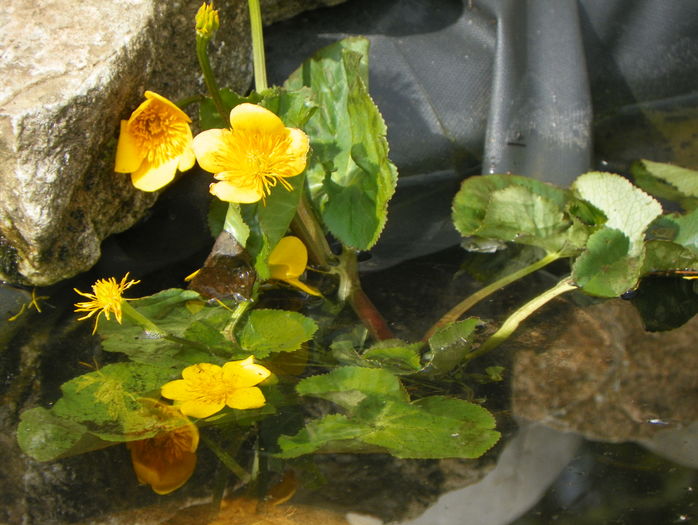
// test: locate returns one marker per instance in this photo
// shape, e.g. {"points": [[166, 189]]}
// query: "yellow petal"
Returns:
{"points": [[245, 373], [186, 160], [196, 371], [176, 390], [128, 155], [212, 149], [291, 253], [151, 95], [302, 286], [297, 151], [200, 409], [152, 178], [228, 192], [252, 117], [246, 398]]}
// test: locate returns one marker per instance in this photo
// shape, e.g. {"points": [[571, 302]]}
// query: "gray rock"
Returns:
{"points": [[277, 10], [70, 71]]}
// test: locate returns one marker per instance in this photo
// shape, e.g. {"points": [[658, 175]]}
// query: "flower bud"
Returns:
{"points": [[207, 21]]}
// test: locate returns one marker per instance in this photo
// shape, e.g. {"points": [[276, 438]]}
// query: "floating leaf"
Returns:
{"points": [[350, 176], [267, 331], [108, 401], [627, 208]]}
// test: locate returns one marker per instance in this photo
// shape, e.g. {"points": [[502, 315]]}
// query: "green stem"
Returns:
{"points": [[138, 318], [514, 320], [457, 311], [226, 459], [229, 330], [307, 227], [182, 103], [260, 70], [209, 78], [350, 290]]}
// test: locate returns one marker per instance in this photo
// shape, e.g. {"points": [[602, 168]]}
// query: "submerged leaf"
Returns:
{"points": [[668, 182], [266, 331]]}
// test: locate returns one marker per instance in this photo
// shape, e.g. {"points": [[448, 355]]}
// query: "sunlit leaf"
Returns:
{"points": [[627, 208], [350, 176], [518, 209]]}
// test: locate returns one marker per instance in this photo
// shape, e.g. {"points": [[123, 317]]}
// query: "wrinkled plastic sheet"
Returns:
{"points": [[543, 88]]}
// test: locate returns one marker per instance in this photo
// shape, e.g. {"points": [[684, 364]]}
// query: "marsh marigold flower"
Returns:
{"points": [[207, 21], [206, 388], [106, 298], [154, 142], [253, 157], [167, 460], [287, 263]]}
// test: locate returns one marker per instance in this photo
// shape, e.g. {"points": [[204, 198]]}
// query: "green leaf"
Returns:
{"points": [[433, 427], [332, 433], [687, 224], [268, 331], [606, 268], [269, 221], [234, 224], [627, 208], [395, 356], [45, 437], [294, 107], [666, 256], [347, 386], [450, 345], [170, 311], [668, 182], [108, 401], [518, 209], [209, 118], [349, 175]]}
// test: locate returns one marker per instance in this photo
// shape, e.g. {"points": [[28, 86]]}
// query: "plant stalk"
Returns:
{"points": [[260, 70], [514, 320], [138, 318], [227, 459], [457, 311], [209, 78], [350, 290]]}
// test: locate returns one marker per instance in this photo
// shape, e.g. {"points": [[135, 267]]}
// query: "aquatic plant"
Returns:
{"points": [[239, 368]]}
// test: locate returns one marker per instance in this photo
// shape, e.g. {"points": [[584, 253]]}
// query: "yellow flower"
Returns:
{"points": [[105, 299], [154, 143], [206, 388], [167, 460], [251, 158], [207, 21], [287, 263]]}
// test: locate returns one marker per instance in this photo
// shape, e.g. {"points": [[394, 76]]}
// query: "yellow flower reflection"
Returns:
{"points": [[167, 460], [206, 388], [251, 158], [287, 263], [154, 142], [106, 298]]}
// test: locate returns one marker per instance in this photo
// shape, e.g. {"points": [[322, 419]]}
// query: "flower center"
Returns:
{"points": [[160, 133], [262, 158]]}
